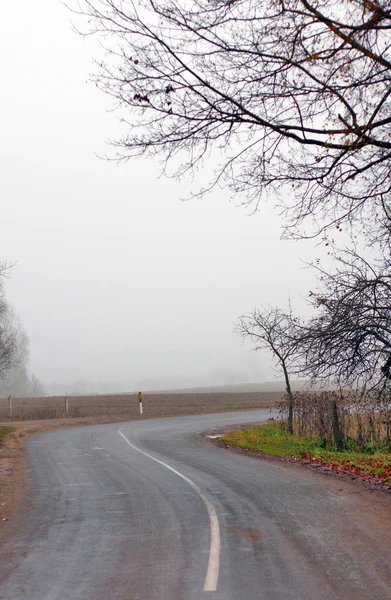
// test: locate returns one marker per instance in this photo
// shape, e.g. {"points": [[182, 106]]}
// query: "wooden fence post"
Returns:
{"points": [[336, 429]]}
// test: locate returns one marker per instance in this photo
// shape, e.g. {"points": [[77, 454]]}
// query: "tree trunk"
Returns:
{"points": [[336, 429], [290, 397]]}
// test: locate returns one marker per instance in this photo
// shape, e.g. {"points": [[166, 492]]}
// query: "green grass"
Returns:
{"points": [[272, 439], [4, 431]]}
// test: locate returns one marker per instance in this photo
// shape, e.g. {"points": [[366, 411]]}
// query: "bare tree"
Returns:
{"points": [[16, 379], [35, 387], [8, 330], [295, 95], [277, 331], [14, 349], [349, 339], [8, 339]]}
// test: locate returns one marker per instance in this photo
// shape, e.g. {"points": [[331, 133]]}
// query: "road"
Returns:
{"points": [[152, 511]]}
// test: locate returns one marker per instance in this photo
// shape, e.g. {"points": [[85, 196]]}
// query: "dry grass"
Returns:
{"points": [[364, 420]]}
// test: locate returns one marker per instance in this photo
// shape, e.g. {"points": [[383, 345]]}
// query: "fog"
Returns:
{"points": [[118, 282]]}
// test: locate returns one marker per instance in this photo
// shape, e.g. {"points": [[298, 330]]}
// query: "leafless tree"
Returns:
{"points": [[35, 387], [8, 330], [8, 339], [293, 95], [15, 378], [349, 339], [277, 331]]}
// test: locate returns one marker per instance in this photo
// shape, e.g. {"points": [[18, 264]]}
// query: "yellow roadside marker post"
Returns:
{"points": [[140, 400]]}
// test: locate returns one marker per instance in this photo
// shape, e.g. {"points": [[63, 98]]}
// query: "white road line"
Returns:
{"points": [[212, 574], [79, 484]]}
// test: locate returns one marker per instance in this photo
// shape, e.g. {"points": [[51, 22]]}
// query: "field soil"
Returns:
{"points": [[127, 406], [96, 410]]}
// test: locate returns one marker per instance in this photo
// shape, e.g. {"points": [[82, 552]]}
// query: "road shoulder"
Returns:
{"points": [[359, 484]]}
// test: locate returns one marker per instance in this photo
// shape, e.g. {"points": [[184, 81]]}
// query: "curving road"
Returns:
{"points": [[151, 511]]}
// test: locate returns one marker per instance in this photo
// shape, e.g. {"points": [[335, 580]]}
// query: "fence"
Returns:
{"points": [[361, 419]]}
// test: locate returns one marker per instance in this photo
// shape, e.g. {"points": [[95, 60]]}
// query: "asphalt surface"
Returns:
{"points": [[156, 512]]}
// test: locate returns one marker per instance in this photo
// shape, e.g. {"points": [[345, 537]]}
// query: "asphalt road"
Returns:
{"points": [[151, 511]]}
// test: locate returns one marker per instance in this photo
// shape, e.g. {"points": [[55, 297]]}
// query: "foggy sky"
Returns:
{"points": [[116, 278]]}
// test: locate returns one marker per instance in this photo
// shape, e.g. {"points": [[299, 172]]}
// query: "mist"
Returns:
{"points": [[119, 283]]}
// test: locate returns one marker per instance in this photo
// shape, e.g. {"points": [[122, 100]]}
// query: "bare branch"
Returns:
{"points": [[296, 95]]}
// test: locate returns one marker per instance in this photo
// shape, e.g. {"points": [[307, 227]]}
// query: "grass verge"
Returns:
{"points": [[273, 440], [4, 431]]}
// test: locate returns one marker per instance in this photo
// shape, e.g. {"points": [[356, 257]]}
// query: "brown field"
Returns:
{"points": [[127, 406]]}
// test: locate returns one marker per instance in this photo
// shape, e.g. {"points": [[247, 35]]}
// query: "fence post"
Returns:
{"points": [[336, 429], [66, 405], [10, 406]]}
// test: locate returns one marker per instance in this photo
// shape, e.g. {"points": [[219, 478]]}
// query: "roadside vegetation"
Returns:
{"points": [[4, 431], [372, 463], [344, 419], [344, 431]]}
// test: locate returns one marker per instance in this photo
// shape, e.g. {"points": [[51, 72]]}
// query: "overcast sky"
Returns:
{"points": [[116, 278]]}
